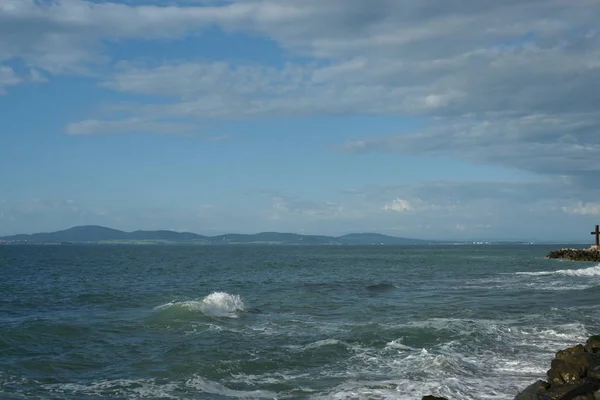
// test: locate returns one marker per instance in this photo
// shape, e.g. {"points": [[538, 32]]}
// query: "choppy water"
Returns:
{"points": [[286, 322]]}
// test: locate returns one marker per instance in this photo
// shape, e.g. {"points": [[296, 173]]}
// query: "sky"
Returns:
{"points": [[455, 119]]}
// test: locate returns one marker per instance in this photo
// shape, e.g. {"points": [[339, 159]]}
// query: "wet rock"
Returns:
{"points": [[574, 375], [564, 354], [593, 344], [532, 391], [433, 398]]}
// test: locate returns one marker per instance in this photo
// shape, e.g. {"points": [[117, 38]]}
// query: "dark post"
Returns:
{"points": [[597, 233]]}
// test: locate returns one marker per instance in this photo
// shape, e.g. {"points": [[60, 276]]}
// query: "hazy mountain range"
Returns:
{"points": [[100, 234]]}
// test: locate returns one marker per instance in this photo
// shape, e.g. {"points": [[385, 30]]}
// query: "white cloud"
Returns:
{"points": [[7, 77], [546, 144], [398, 205], [65, 35], [583, 209]]}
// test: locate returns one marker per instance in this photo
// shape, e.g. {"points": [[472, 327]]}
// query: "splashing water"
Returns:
{"points": [[221, 304]]}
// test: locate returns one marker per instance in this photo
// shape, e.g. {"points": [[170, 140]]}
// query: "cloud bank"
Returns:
{"points": [[509, 83]]}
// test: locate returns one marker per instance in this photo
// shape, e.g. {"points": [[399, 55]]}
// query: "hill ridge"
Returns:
{"points": [[97, 233]]}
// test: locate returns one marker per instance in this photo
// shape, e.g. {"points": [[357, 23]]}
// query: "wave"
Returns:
{"points": [[216, 304], [583, 272], [381, 287]]}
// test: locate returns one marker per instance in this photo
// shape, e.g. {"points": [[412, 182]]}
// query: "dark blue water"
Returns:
{"points": [[135, 322]]}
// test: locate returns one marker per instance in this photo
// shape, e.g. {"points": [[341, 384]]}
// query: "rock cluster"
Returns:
{"points": [[576, 254], [574, 375]]}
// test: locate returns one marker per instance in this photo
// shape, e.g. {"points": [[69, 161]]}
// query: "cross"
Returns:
{"points": [[597, 233]]}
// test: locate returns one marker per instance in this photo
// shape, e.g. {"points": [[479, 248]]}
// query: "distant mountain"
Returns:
{"points": [[100, 234], [76, 234], [92, 233]]}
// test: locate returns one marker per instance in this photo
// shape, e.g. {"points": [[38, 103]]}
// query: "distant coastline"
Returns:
{"points": [[92, 234]]}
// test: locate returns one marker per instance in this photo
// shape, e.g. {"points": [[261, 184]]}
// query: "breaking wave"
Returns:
{"points": [[585, 272], [216, 304]]}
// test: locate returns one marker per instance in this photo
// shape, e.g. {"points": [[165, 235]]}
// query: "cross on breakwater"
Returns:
{"points": [[597, 233]]}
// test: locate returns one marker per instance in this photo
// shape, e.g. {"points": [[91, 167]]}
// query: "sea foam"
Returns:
{"points": [[202, 384]]}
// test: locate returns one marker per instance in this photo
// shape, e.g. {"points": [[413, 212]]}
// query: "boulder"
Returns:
{"points": [[574, 374], [593, 344]]}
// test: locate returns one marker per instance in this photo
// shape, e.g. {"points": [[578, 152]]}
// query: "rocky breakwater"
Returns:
{"points": [[591, 254], [574, 374]]}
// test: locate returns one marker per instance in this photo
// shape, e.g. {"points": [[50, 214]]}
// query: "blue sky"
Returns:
{"points": [[461, 120]]}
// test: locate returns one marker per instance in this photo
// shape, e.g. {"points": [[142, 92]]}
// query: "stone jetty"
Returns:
{"points": [[591, 254]]}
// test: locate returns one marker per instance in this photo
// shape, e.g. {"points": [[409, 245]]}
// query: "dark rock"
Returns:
{"points": [[566, 372], [430, 397], [593, 344], [563, 354], [585, 389], [532, 391]]}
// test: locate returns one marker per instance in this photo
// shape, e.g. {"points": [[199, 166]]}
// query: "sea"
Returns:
{"points": [[287, 322]]}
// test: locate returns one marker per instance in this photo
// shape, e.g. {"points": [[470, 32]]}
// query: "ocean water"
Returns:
{"points": [[127, 322]]}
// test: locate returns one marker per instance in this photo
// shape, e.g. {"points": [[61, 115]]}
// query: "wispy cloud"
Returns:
{"points": [[132, 125], [8, 77]]}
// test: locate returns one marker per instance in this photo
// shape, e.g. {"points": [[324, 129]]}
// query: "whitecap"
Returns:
{"points": [[397, 344], [584, 272], [321, 343]]}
